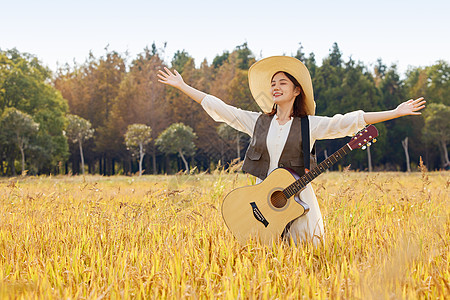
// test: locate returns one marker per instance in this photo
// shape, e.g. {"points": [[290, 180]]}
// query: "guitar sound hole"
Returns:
{"points": [[278, 199]]}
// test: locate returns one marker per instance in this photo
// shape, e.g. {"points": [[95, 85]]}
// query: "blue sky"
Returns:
{"points": [[408, 33]]}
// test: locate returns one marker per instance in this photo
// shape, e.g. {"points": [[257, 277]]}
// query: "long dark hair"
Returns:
{"points": [[299, 105]]}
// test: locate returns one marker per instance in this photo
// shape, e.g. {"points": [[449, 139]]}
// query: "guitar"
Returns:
{"points": [[263, 210]]}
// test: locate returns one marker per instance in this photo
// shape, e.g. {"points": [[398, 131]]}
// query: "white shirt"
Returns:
{"points": [[276, 138], [309, 226]]}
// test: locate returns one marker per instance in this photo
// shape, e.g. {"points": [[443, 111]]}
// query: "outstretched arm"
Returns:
{"points": [[176, 81], [410, 107]]}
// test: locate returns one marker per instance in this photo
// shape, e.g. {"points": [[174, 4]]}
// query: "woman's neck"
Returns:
{"points": [[284, 113]]}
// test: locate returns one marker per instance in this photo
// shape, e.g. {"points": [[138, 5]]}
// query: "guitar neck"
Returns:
{"points": [[299, 184]]}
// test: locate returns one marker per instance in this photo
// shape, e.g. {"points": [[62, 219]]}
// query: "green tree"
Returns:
{"points": [[245, 56], [437, 129], [137, 137], [300, 55], [438, 89], [180, 60], [328, 84], [403, 132], [78, 131], [19, 129], [335, 56], [310, 63], [220, 59], [359, 92], [433, 83], [178, 138], [380, 71], [23, 78], [358, 89], [25, 86]]}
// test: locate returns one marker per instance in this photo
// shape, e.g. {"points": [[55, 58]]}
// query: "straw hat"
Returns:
{"points": [[260, 75]]}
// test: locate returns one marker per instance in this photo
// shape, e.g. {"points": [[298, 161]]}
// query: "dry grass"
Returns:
{"points": [[387, 236]]}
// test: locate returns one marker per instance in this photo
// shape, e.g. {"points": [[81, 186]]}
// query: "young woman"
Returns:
{"points": [[282, 87]]}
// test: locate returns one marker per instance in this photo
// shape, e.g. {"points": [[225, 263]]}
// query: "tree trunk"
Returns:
{"points": [[154, 160], [405, 148], [445, 160], [427, 154], [369, 158], [12, 166], [113, 166], [81, 156], [22, 152], [168, 169], [100, 165], [184, 160], [106, 166], [1, 165], [130, 167], [141, 157]]}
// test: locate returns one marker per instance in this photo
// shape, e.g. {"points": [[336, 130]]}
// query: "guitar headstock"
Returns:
{"points": [[363, 137]]}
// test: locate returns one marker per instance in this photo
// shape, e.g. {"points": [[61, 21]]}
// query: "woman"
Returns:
{"points": [[282, 87]]}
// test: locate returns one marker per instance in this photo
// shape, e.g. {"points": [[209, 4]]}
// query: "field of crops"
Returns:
{"points": [[387, 237]]}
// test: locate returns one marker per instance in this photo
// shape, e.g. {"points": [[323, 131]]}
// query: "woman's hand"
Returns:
{"points": [[171, 79], [410, 107], [176, 81]]}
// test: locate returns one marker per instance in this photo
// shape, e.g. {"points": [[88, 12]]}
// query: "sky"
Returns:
{"points": [[405, 33]]}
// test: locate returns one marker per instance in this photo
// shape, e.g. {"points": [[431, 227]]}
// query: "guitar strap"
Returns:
{"points": [[305, 143]]}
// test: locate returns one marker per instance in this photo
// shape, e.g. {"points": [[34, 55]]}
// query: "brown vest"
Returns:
{"points": [[256, 161]]}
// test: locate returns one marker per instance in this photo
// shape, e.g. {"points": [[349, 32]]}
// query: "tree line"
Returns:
{"points": [[109, 115]]}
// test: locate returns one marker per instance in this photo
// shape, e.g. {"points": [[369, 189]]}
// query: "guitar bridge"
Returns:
{"points": [[258, 215]]}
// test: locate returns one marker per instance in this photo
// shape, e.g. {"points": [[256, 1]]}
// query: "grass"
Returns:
{"points": [[387, 237]]}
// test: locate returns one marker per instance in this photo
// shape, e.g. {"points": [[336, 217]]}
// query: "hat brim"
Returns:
{"points": [[260, 75]]}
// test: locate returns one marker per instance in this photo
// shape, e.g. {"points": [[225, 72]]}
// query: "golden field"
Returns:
{"points": [[387, 237]]}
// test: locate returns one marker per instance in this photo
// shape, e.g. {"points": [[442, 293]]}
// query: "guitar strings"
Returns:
{"points": [[308, 177]]}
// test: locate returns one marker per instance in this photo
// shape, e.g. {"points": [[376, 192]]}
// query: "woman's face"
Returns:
{"points": [[283, 89]]}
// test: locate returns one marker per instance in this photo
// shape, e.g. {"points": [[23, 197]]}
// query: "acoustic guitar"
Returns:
{"points": [[263, 210]]}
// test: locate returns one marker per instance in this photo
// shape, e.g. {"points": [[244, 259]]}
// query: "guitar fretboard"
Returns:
{"points": [[308, 177]]}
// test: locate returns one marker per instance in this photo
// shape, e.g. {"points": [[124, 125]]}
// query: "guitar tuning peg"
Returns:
{"points": [[364, 147], [369, 143], [374, 140]]}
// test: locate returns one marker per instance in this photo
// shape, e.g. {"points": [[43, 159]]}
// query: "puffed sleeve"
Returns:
{"points": [[239, 119], [337, 126]]}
